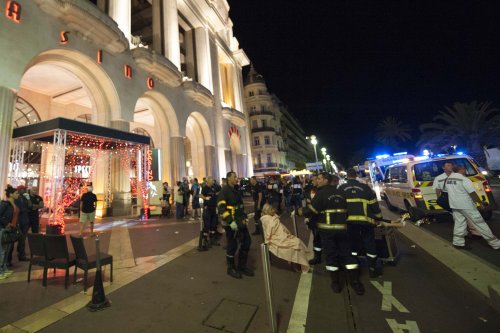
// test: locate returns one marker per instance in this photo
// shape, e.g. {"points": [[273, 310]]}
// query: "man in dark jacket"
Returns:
{"points": [[364, 215], [23, 224], [258, 194], [234, 220], [209, 196], [330, 206]]}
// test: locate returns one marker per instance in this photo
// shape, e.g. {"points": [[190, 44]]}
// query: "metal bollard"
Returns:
{"points": [[99, 300], [268, 286], [294, 220]]}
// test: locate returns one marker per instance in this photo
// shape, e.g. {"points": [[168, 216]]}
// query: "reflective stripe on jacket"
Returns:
{"points": [[362, 204]]}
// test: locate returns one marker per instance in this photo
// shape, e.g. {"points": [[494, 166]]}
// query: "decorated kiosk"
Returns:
{"points": [[61, 157]]}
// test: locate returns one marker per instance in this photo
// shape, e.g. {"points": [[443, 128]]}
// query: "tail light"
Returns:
{"points": [[417, 194], [486, 187]]}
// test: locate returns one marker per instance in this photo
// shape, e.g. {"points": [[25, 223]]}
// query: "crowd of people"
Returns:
{"points": [[19, 213], [341, 217]]}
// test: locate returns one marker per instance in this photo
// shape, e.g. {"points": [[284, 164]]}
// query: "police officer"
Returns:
{"points": [[363, 216], [209, 196], [330, 206], [297, 193], [231, 211], [310, 192], [258, 193]]}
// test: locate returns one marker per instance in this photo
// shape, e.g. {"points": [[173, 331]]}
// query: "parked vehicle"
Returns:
{"points": [[408, 186]]}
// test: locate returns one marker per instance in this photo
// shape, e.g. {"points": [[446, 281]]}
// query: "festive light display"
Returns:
{"points": [[81, 153]]}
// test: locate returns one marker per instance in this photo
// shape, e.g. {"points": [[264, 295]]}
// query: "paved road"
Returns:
{"points": [[428, 290], [419, 294]]}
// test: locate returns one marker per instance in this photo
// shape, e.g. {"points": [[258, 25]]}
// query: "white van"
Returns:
{"points": [[408, 186]]}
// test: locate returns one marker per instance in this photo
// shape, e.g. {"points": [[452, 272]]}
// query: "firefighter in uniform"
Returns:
{"points": [[209, 196], [231, 211], [310, 192], [330, 206], [364, 215], [258, 194]]}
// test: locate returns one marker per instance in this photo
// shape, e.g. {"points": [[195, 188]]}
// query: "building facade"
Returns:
{"points": [[167, 69], [278, 142]]}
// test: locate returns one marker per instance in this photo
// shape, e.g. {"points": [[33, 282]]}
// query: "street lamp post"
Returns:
{"points": [[323, 152], [328, 162], [314, 142]]}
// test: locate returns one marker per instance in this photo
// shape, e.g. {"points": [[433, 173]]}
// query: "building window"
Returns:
{"points": [[267, 140], [256, 141], [251, 93], [253, 108], [269, 158], [254, 124], [262, 108], [264, 123]]}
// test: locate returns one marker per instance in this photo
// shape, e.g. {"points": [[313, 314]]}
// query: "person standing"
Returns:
{"points": [[330, 206], [195, 205], [167, 191], [465, 203], [88, 204], [231, 210], [179, 202], [34, 213], [185, 191], [297, 193], [23, 224], [363, 213], [313, 219], [439, 185], [209, 196], [9, 214], [258, 193]]}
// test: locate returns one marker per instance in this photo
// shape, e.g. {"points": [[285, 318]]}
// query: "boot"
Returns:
{"points": [[242, 264], [231, 269], [336, 283], [258, 230], [374, 269], [317, 258], [354, 282]]}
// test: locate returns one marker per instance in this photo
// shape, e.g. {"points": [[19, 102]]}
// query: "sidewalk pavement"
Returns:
{"points": [[192, 287]]}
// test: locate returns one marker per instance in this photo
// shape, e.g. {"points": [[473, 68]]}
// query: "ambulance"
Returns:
{"points": [[408, 185]]}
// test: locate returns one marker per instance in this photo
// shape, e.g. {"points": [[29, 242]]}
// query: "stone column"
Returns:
{"points": [[203, 59], [171, 32], [245, 146], [210, 162], [121, 12], [178, 158], [7, 105], [120, 177], [157, 28]]}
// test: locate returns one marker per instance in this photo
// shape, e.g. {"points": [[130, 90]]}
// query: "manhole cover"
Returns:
{"points": [[231, 316]]}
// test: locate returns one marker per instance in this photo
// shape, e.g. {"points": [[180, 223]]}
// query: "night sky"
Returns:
{"points": [[343, 66]]}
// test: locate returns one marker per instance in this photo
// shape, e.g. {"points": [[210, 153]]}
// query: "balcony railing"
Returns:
{"points": [[262, 129], [261, 113]]}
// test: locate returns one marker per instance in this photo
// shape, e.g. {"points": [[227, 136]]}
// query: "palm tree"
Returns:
{"points": [[472, 126], [392, 132]]}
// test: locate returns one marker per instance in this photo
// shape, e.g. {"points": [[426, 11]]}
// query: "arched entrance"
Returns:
{"points": [[67, 84], [199, 159], [154, 114]]}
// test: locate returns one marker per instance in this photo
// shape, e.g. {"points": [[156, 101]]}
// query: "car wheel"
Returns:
{"points": [[411, 210], [487, 215], [388, 203]]}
